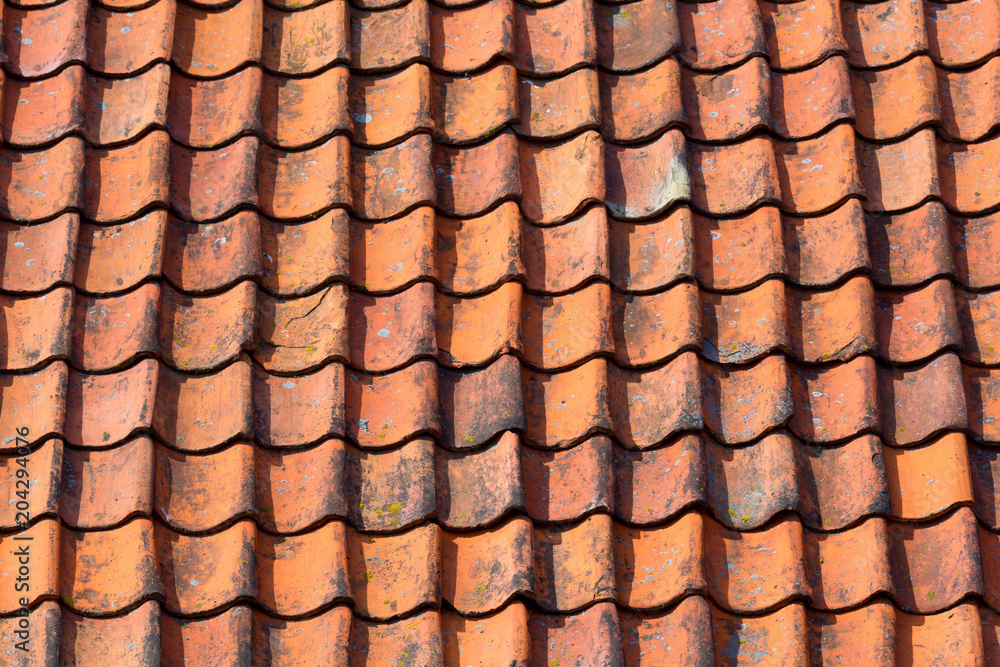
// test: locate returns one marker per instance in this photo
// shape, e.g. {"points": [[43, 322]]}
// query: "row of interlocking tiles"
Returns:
{"points": [[502, 333]]}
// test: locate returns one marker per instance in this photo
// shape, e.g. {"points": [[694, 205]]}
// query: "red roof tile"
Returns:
{"points": [[436, 332]]}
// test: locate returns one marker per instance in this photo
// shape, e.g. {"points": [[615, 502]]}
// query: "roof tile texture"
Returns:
{"points": [[431, 332]]}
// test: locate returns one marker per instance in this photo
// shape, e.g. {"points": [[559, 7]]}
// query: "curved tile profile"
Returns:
{"points": [[463, 499], [547, 320], [200, 493], [384, 410], [390, 255], [389, 38], [471, 180], [201, 333], [555, 636], [632, 36], [550, 108], [297, 489], [498, 636], [38, 257], [119, 256], [120, 182], [472, 108], [461, 397], [197, 175], [195, 413], [37, 112], [419, 634], [732, 253], [299, 334], [90, 560], [202, 258], [303, 183], [40, 41], [388, 332], [869, 634], [227, 634], [43, 464], [54, 177], [36, 328], [565, 33], [388, 182], [835, 402], [285, 101], [37, 403], [297, 42], [829, 488], [134, 636], [110, 332], [483, 570], [390, 490], [643, 181], [83, 503], [559, 179], [463, 39], [393, 575], [198, 115], [564, 257], [284, 566], [207, 572], [386, 108], [125, 42], [295, 411], [213, 42], [44, 579], [321, 340], [297, 258], [104, 409]]}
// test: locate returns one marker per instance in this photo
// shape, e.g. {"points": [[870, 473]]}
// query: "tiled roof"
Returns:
{"points": [[435, 332]]}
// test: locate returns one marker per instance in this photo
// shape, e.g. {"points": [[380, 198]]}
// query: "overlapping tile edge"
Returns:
{"points": [[911, 292]]}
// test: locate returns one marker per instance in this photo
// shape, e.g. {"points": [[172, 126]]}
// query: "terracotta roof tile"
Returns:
{"points": [[438, 332]]}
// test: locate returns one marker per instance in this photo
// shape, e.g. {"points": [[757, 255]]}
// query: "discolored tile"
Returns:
{"points": [[104, 409], [125, 555], [387, 39], [297, 489], [394, 574], [37, 112], [563, 36], [466, 38], [204, 332], [285, 102], [300, 334], [304, 41], [299, 410], [194, 413], [207, 572], [109, 332], [198, 110], [483, 570], [36, 328], [390, 490], [33, 478], [301, 574], [216, 41], [544, 112], [474, 254], [103, 488], [463, 501], [53, 175]]}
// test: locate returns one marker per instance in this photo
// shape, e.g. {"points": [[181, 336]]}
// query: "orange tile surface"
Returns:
{"points": [[500, 332]]}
